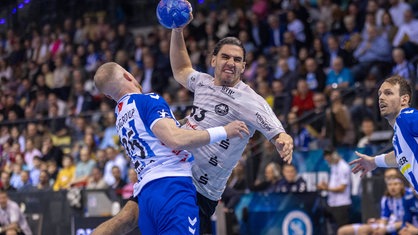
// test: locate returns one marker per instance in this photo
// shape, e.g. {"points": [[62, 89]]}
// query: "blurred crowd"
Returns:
{"points": [[317, 63]]}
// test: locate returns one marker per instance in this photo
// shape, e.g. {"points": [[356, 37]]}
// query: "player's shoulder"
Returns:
{"points": [[408, 115], [197, 76]]}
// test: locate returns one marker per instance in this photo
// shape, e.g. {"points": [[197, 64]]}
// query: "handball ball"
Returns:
{"points": [[173, 13]]}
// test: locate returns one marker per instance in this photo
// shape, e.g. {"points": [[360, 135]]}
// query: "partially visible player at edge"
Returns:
{"points": [[153, 140], [395, 95]]}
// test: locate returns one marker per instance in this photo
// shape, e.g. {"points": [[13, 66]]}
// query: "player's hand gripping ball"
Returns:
{"points": [[173, 13]]}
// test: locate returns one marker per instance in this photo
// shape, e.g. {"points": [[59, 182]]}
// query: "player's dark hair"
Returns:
{"points": [[404, 86], [228, 41]]}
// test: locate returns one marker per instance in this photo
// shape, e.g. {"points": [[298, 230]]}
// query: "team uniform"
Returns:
{"points": [[411, 209], [405, 143], [217, 106], [164, 189], [392, 210]]}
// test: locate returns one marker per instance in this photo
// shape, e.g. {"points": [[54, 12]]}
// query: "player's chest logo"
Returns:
{"points": [[221, 109], [228, 91]]}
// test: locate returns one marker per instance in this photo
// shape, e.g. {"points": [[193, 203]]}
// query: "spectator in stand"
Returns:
{"points": [[317, 117], [101, 159], [287, 77], [83, 168], [397, 11], [282, 100], [402, 66], [302, 100], [36, 170], [295, 26], [184, 103], [128, 189], [296, 129], [334, 51], [339, 126], [65, 174], [367, 128], [259, 31], [15, 180], [50, 151], [339, 76], [27, 185], [319, 53], [268, 155], [407, 35], [31, 152], [44, 182], [110, 135], [5, 184], [291, 182], [314, 76], [264, 90], [95, 180], [12, 220], [61, 75], [119, 182], [80, 99], [373, 54], [53, 169], [272, 174], [276, 31], [114, 158], [388, 29]]}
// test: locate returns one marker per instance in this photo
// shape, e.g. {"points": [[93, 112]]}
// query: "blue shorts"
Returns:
{"points": [[168, 206]]}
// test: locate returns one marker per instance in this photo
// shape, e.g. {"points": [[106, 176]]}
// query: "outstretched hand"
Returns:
{"points": [[236, 129], [284, 145], [364, 163]]}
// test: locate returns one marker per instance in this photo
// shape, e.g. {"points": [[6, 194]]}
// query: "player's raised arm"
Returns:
{"points": [[179, 57], [177, 138]]}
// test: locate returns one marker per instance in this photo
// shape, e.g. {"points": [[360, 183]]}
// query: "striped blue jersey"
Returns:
{"points": [[411, 209], [405, 143], [136, 114], [392, 209]]}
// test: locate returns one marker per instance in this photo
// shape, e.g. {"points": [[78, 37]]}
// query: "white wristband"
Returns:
{"points": [[217, 134], [380, 160]]}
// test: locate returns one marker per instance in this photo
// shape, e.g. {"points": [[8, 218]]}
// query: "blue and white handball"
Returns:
{"points": [[173, 13]]}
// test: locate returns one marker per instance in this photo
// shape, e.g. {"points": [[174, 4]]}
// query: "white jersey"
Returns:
{"points": [[340, 174], [136, 114], [405, 144], [217, 106]]}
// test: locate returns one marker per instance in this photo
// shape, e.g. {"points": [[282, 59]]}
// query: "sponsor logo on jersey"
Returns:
{"points": [[201, 84], [124, 118], [263, 122], [296, 222], [221, 109], [228, 91], [120, 105], [193, 126], [213, 161], [203, 179], [163, 113], [192, 223]]}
